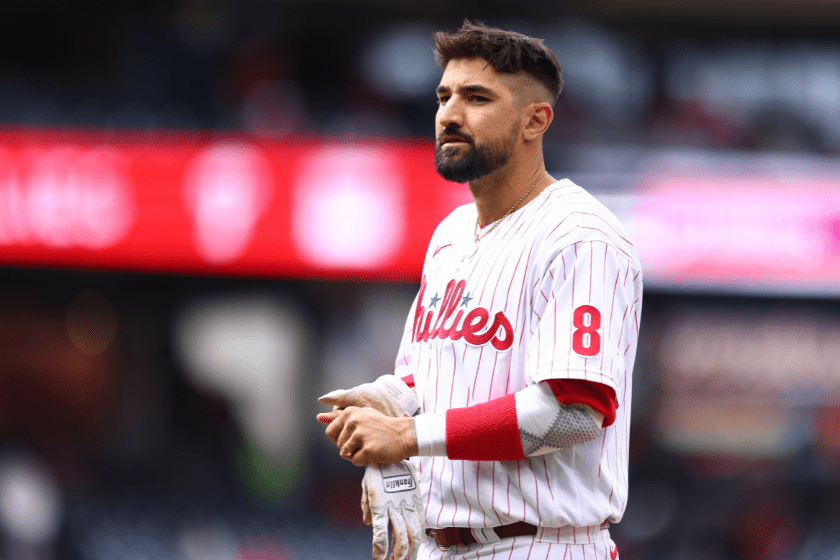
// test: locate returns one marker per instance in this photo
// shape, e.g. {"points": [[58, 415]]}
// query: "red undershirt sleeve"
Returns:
{"points": [[599, 396], [409, 380], [490, 431]]}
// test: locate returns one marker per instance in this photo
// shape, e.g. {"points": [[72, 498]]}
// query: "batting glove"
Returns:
{"points": [[389, 395], [390, 492]]}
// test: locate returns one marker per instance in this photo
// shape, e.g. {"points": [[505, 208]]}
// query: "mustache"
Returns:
{"points": [[448, 135]]}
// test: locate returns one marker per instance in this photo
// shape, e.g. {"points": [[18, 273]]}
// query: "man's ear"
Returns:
{"points": [[539, 116]]}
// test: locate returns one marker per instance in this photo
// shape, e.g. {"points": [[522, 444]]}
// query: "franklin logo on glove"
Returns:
{"points": [[399, 483]]}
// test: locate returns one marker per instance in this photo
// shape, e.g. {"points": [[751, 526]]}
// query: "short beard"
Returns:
{"points": [[477, 162]]}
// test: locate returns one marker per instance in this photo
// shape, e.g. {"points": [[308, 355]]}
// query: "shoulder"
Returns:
{"points": [[453, 226], [460, 217], [571, 215]]}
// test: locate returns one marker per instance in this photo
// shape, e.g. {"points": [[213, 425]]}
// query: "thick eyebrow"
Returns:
{"points": [[469, 88]]}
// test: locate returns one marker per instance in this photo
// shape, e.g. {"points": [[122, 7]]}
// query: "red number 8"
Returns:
{"points": [[585, 340]]}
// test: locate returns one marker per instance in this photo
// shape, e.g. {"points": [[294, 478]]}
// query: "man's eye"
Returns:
{"points": [[479, 99], [442, 100]]}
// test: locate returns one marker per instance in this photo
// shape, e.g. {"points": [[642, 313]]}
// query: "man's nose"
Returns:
{"points": [[450, 115]]}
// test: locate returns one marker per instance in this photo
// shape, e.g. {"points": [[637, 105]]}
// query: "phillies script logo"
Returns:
{"points": [[472, 327]]}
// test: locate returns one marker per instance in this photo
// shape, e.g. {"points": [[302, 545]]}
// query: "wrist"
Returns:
{"points": [[409, 437]]}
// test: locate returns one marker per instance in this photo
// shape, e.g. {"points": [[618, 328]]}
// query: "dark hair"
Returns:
{"points": [[506, 51]]}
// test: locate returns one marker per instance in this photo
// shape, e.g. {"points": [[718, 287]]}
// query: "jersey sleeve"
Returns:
{"points": [[584, 318]]}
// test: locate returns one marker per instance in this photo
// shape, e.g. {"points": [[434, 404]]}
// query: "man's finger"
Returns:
{"points": [[360, 458], [336, 426], [343, 438], [341, 428], [326, 417], [346, 452]]}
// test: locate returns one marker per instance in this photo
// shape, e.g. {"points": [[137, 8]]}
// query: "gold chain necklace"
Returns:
{"points": [[508, 213]]}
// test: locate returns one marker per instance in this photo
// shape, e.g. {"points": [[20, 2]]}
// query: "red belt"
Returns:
{"points": [[453, 536]]}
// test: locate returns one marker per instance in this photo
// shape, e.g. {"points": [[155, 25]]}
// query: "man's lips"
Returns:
{"points": [[449, 141]]}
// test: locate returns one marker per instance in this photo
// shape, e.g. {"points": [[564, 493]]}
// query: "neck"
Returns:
{"points": [[495, 194]]}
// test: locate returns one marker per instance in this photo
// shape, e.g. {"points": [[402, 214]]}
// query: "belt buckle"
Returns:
{"points": [[437, 542]]}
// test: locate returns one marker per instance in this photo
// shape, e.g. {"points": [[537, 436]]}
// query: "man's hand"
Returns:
{"points": [[389, 395], [364, 436], [390, 492]]}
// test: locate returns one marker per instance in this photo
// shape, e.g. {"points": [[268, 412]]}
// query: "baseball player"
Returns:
{"points": [[504, 430]]}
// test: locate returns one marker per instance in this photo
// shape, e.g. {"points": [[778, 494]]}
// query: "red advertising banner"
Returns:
{"points": [[193, 202], [208, 203]]}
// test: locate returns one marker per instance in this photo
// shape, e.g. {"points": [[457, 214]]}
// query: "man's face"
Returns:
{"points": [[476, 125]]}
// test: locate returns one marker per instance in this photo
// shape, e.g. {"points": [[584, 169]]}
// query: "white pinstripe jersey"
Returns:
{"points": [[555, 291]]}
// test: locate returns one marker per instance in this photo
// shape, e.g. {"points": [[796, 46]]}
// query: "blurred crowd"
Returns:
{"points": [[274, 69], [161, 417]]}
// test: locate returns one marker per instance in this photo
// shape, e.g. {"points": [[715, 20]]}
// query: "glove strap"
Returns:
{"points": [[403, 394]]}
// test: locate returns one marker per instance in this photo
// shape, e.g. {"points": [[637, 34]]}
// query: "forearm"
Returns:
{"points": [[528, 423], [531, 422]]}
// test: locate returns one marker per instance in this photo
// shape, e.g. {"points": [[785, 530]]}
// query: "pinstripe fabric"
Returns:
{"points": [[561, 251]]}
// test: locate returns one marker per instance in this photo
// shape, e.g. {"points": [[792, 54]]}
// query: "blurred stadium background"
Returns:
{"points": [[211, 212]]}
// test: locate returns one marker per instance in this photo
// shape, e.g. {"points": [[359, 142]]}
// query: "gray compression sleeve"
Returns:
{"points": [[545, 425]]}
